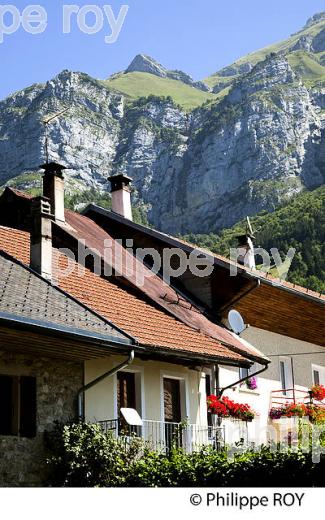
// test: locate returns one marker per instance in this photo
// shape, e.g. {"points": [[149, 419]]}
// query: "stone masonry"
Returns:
{"points": [[22, 460]]}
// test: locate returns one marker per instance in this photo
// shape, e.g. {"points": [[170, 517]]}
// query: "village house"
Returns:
{"points": [[81, 338], [78, 344], [286, 322]]}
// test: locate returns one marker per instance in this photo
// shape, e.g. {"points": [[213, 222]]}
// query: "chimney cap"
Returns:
{"points": [[243, 239], [53, 168], [120, 181]]}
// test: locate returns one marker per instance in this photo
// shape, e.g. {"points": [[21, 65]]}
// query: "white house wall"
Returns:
{"points": [[304, 355], [100, 401]]}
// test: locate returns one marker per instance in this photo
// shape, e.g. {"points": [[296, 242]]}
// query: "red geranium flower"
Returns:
{"points": [[317, 392], [225, 407]]}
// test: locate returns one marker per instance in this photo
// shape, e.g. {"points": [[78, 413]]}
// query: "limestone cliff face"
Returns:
{"points": [[84, 137], [259, 146], [199, 171]]}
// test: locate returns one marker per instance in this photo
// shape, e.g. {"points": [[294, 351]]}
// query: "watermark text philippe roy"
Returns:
{"points": [[89, 19], [118, 258]]}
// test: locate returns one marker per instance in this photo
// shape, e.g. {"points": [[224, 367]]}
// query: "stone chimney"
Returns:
{"points": [[53, 188], [121, 195], [41, 237]]}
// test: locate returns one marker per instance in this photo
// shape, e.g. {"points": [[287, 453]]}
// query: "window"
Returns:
{"points": [[318, 373], [126, 397], [316, 377], [208, 390], [172, 400], [243, 372], [18, 405], [286, 375]]}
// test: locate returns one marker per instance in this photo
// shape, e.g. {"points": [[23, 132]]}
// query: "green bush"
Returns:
{"points": [[82, 455]]}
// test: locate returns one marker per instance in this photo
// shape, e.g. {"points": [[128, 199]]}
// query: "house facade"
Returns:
{"points": [[45, 338], [78, 344], [86, 333], [285, 322]]}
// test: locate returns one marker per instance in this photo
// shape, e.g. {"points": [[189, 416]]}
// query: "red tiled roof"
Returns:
{"points": [[153, 287], [150, 325], [264, 276], [161, 294]]}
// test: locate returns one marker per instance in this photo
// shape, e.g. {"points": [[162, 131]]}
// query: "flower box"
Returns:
{"points": [[225, 407]]}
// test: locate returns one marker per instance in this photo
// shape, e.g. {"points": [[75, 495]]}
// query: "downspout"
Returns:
{"points": [[111, 372], [293, 381], [222, 390]]}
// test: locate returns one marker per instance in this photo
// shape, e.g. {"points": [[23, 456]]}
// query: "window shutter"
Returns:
{"points": [[6, 405], [27, 425]]}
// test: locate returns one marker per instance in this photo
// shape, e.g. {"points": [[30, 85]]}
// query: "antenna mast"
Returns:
{"points": [[46, 122]]}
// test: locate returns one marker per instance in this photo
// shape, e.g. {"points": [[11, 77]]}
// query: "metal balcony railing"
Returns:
{"points": [[292, 396], [163, 436]]}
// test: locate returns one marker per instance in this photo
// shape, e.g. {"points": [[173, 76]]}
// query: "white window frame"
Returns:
{"points": [[288, 374], [184, 396], [321, 370], [140, 372]]}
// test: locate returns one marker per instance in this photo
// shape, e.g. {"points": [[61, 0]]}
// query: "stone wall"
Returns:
{"points": [[22, 460]]}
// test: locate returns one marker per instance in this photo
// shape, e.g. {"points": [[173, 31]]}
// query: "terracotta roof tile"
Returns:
{"points": [[162, 295], [153, 287], [150, 325]]}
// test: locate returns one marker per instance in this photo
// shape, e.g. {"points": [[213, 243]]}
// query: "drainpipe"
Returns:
{"points": [[222, 390], [111, 372]]}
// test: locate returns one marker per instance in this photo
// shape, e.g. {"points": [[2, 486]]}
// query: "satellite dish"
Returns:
{"points": [[236, 321], [131, 416]]}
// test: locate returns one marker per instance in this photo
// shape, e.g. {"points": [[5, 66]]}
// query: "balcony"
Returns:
{"points": [[292, 396], [163, 436]]}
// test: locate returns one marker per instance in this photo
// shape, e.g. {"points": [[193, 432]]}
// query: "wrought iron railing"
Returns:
{"points": [[163, 436]]}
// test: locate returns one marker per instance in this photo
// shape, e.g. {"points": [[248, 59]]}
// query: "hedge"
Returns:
{"points": [[81, 455]]}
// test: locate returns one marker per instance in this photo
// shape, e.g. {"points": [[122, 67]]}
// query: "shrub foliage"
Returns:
{"points": [[81, 455]]}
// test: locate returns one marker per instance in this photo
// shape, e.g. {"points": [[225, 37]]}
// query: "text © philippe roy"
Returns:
{"points": [[89, 19]]}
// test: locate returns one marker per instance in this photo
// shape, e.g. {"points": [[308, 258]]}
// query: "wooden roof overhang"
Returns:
{"points": [[282, 311], [280, 308], [28, 336], [42, 338]]}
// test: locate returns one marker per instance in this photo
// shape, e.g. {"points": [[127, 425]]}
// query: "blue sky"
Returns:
{"points": [[197, 36]]}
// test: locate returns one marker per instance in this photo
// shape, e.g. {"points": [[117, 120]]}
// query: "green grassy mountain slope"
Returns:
{"points": [[142, 84], [305, 59], [299, 224]]}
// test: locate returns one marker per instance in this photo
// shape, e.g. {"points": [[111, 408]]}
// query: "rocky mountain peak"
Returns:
{"points": [[318, 17], [144, 63], [250, 149], [273, 71]]}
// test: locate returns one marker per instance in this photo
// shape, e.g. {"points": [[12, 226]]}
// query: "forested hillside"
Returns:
{"points": [[299, 224]]}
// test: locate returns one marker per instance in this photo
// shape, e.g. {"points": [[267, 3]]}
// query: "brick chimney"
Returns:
{"points": [[53, 188], [121, 195], [41, 237]]}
